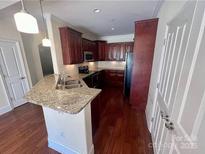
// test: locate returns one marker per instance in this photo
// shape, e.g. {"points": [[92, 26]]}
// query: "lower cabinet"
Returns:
{"points": [[98, 80], [95, 114], [114, 78]]}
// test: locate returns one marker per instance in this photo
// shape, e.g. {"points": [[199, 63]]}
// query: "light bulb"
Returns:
{"points": [[46, 42], [26, 23]]}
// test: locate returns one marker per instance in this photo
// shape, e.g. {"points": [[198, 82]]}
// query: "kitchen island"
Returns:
{"points": [[67, 114]]}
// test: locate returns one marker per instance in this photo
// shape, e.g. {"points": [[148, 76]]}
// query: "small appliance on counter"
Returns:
{"points": [[83, 69]]}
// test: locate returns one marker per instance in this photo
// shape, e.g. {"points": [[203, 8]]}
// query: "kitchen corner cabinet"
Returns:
{"points": [[145, 35], [88, 45], [71, 43], [101, 50], [117, 51]]}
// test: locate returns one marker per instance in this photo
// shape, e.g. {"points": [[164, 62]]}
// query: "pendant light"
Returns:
{"points": [[45, 42], [25, 22]]}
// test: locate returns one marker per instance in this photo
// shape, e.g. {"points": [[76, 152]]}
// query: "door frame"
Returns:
{"points": [[25, 69]]}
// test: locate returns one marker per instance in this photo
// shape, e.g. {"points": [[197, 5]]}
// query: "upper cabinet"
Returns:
{"points": [[74, 46], [88, 45], [71, 43], [101, 50], [117, 51]]}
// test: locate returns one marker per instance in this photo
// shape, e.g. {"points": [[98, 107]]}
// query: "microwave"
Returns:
{"points": [[88, 56]]}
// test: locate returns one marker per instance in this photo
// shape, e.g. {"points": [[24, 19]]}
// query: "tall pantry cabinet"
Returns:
{"points": [[144, 43]]}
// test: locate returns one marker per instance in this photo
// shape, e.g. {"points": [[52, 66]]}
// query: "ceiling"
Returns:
{"points": [[118, 14], [6, 3]]}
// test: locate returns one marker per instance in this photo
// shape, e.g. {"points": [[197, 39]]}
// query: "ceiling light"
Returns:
{"points": [[45, 42], [113, 28], [25, 22], [96, 10]]}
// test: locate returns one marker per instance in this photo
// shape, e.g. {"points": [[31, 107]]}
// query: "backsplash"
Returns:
{"points": [[118, 65], [72, 70]]}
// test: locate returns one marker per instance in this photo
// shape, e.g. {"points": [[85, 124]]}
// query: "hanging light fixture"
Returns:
{"points": [[45, 42], [25, 22]]}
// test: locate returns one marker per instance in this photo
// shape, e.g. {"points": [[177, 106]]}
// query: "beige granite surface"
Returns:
{"points": [[72, 101]]}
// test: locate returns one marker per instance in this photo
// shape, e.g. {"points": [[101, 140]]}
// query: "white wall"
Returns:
{"points": [[8, 31], [31, 46], [168, 11], [118, 38], [72, 134]]}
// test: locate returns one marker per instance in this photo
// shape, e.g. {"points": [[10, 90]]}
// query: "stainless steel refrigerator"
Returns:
{"points": [[128, 73]]}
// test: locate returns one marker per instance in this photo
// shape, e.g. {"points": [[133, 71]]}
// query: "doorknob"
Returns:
{"points": [[169, 125], [22, 78], [165, 117]]}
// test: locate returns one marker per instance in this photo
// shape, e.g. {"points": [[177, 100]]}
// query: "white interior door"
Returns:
{"points": [[13, 71], [181, 89]]}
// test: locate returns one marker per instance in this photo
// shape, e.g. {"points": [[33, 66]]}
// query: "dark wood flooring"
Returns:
{"points": [[122, 130]]}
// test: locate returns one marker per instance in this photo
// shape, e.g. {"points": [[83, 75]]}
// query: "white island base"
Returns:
{"points": [[69, 133]]}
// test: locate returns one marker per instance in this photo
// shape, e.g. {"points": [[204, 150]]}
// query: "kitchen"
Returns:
{"points": [[86, 77], [84, 55]]}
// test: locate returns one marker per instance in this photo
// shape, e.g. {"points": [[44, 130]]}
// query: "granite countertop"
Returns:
{"points": [[72, 101], [84, 75]]}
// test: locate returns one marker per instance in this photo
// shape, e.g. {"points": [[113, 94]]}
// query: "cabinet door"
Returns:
{"points": [[114, 78], [71, 46], [117, 51], [79, 49], [66, 44], [95, 114], [129, 46], [102, 51]]}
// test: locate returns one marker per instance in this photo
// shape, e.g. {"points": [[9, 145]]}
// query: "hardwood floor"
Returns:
{"points": [[23, 131], [122, 130]]}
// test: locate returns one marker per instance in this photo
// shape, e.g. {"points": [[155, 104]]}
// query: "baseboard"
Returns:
{"points": [[61, 148], [92, 149], [149, 125], [5, 109]]}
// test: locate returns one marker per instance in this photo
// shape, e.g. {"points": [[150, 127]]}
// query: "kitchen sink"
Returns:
{"points": [[71, 82], [73, 86], [68, 84]]}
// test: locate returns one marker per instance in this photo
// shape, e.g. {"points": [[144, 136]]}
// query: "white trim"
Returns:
{"points": [[198, 120], [61, 148], [192, 67], [91, 149], [25, 71], [23, 59], [64, 149], [147, 120], [5, 109]]}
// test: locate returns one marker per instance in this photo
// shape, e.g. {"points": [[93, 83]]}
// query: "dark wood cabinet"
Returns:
{"points": [[117, 51], [94, 80], [145, 35], [71, 43], [95, 114], [114, 78], [101, 50], [88, 45]]}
